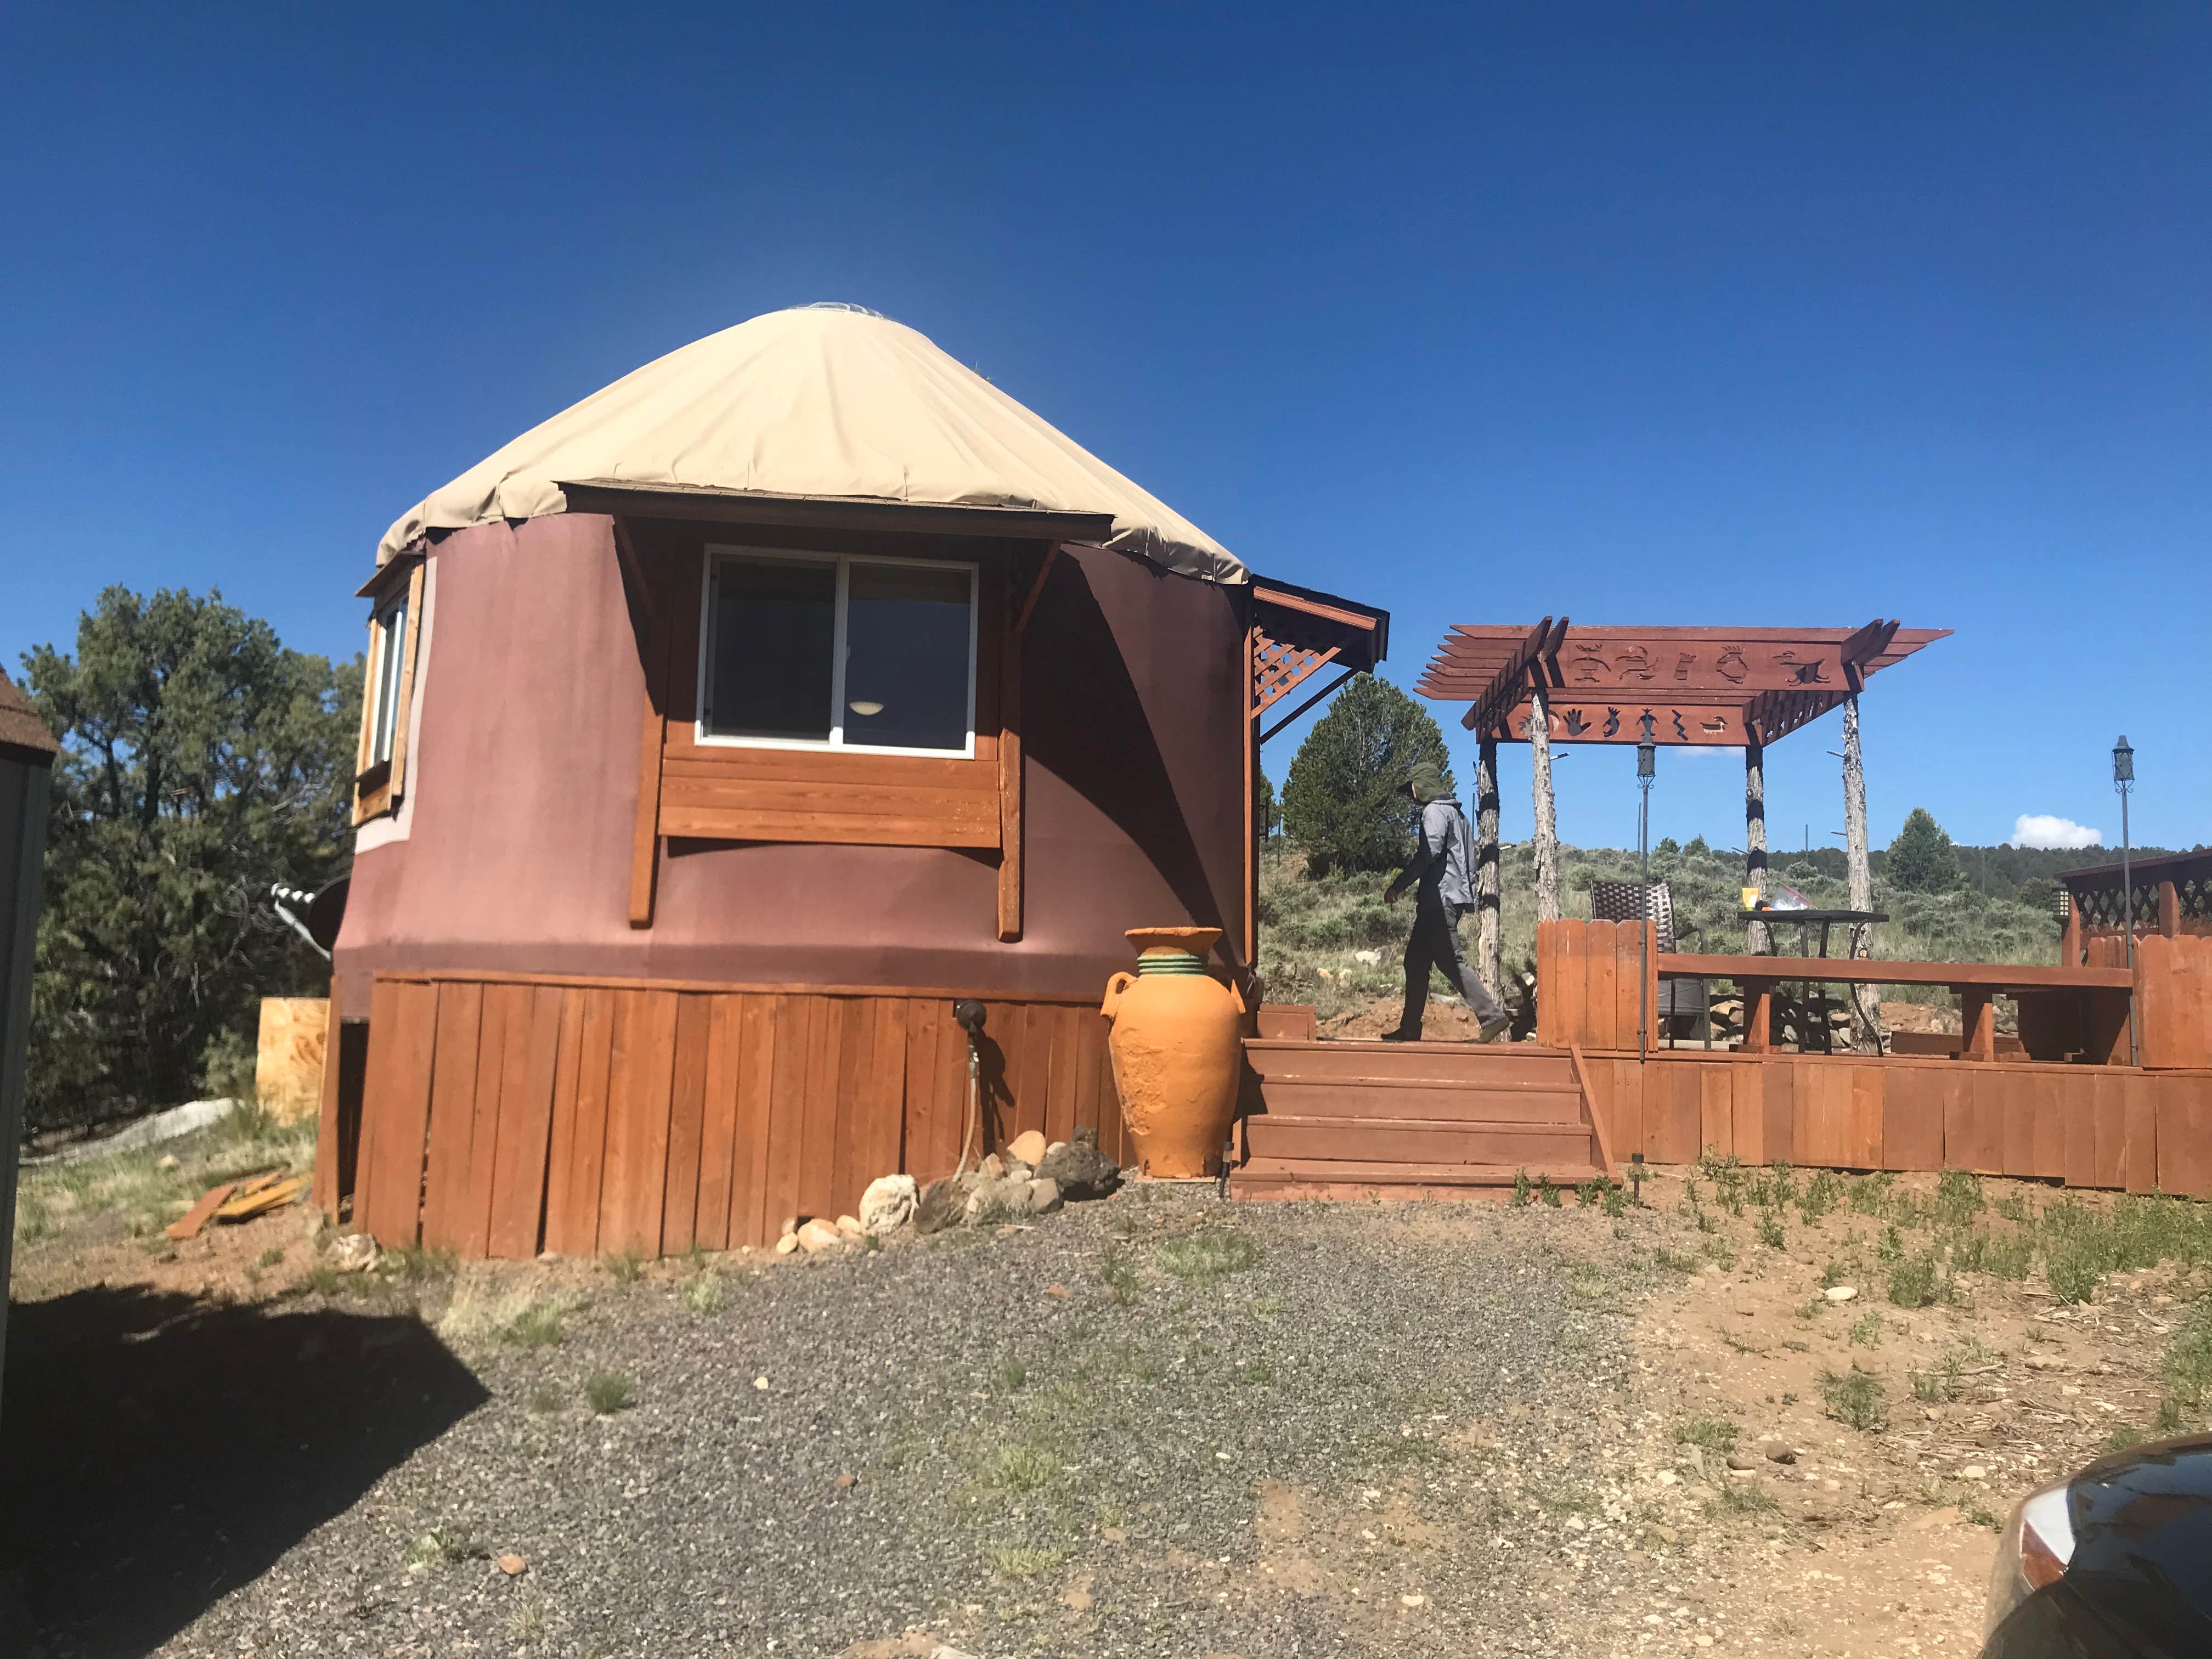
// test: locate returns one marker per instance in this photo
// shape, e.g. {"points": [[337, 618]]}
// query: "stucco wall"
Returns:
{"points": [[524, 782]]}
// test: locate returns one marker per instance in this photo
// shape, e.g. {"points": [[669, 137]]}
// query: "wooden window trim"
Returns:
{"points": [[821, 795], [718, 552], [379, 786]]}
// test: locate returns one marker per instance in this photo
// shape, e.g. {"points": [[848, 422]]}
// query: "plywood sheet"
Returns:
{"points": [[288, 1073]]}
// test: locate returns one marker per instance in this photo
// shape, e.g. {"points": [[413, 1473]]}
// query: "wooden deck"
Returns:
{"points": [[1355, 1120], [1412, 1119]]}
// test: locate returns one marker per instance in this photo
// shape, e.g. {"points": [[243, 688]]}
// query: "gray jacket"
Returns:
{"points": [[1443, 862]]}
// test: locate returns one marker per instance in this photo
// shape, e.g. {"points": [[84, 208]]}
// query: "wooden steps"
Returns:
{"points": [[1443, 1119]]}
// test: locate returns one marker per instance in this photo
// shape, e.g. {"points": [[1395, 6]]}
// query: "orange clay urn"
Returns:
{"points": [[1176, 1050]]}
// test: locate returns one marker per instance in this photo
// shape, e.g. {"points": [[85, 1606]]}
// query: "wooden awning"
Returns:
{"points": [[1718, 687], [1297, 632]]}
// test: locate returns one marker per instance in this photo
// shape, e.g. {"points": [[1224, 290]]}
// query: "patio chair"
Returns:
{"points": [[1618, 901]]}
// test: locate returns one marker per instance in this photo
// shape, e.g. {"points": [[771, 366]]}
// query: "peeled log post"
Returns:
{"points": [[1866, 1007], [1490, 960], [1546, 841], [1755, 939]]}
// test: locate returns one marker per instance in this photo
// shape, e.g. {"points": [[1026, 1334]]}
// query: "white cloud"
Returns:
{"points": [[2046, 829]]}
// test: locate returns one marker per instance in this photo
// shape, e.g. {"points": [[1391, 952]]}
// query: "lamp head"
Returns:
{"points": [[2124, 761]]}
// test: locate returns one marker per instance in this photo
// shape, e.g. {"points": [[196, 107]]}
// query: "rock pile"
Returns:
{"points": [[1029, 1178]]}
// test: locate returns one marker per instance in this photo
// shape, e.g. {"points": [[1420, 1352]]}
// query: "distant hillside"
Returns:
{"points": [[2003, 913], [1995, 871]]}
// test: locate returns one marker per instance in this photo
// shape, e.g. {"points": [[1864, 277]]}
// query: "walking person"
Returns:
{"points": [[1441, 874]]}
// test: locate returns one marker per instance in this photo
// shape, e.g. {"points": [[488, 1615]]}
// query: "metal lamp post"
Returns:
{"points": [[1647, 755], [2123, 780]]}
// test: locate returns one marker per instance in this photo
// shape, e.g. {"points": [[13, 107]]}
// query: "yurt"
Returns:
{"points": [[724, 729]]}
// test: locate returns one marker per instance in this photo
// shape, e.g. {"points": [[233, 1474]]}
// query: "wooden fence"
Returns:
{"points": [[2137, 1128], [505, 1116]]}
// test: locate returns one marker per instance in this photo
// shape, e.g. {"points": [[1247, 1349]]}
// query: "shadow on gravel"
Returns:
{"points": [[158, 1450]]}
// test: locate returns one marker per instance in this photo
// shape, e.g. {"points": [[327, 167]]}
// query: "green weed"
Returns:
{"points": [[702, 1292], [608, 1392], [1121, 1281], [1770, 1229], [538, 1326], [1201, 1257], [1741, 1500], [1912, 1282], [1866, 1331], [1856, 1399], [442, 1547], [1958, 1198], [1023, 1468], [1524, 1190], [1013, 1561], [1712, 1434], [1012, 1376]]}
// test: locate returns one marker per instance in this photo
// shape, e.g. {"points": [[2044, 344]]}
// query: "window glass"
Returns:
{"points": [[390, 655], [774, 636], [907, 656]]}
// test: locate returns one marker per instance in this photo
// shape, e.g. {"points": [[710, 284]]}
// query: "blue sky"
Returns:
{"points": [[1693, 314]]}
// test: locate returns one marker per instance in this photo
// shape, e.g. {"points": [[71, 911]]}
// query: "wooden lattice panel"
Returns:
{"points": [[1279, 664]]}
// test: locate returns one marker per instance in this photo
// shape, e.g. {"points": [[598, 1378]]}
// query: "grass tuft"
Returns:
{"points": [[608, 1392], [1201, 1257], [1015, 1561], [1856, 1399]]}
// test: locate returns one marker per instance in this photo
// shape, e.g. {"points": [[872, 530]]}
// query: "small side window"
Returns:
{"points": [[388, 690], [391, 656]]}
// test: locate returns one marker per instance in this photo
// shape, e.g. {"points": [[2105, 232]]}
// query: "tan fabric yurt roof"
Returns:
{"points": [[819, 402]]}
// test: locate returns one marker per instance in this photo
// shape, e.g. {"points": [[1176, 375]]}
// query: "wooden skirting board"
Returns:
{"points": [[503, 1115], [2088, 1126]]}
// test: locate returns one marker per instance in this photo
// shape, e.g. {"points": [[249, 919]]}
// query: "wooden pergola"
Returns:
{"points": [[1675, 687]]}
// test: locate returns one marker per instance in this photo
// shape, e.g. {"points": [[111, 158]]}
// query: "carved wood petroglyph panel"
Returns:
{"points": [[1621, 723], [1631, 665]]}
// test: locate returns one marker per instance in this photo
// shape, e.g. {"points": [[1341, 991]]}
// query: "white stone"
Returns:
{"points": [[1840, 1292], [1028, 1146], [849, 1227], [819, 1235], [888, 1205], [1044, 1197], [1973, 1471], [355, 1253], [786, 1244]]}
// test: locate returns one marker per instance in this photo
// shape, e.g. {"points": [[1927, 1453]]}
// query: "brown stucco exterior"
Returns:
{"points": [[523, 790]]}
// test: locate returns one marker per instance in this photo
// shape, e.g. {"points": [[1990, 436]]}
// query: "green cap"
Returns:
{"points": [[1428, 783]]}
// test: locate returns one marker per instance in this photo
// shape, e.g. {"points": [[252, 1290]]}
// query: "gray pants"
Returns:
{"points": [[1435, 944]]}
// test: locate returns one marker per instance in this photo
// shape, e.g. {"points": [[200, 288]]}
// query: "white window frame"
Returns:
{"points": [[716, 554], [393, 622]]}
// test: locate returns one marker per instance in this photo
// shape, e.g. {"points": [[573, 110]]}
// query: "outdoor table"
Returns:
{"points": [[1807, 920]]}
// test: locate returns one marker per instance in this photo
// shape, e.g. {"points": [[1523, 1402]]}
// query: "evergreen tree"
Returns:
{"points": [[1922, 859], [201, 761], [1269, 813], [1345, 803]]}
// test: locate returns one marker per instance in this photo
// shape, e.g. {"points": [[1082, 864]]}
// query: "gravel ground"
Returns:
{"points": [[1338, 1429]]}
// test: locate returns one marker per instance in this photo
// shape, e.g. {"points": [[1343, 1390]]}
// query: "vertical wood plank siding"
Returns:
{"points": [[506, 1117]]}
